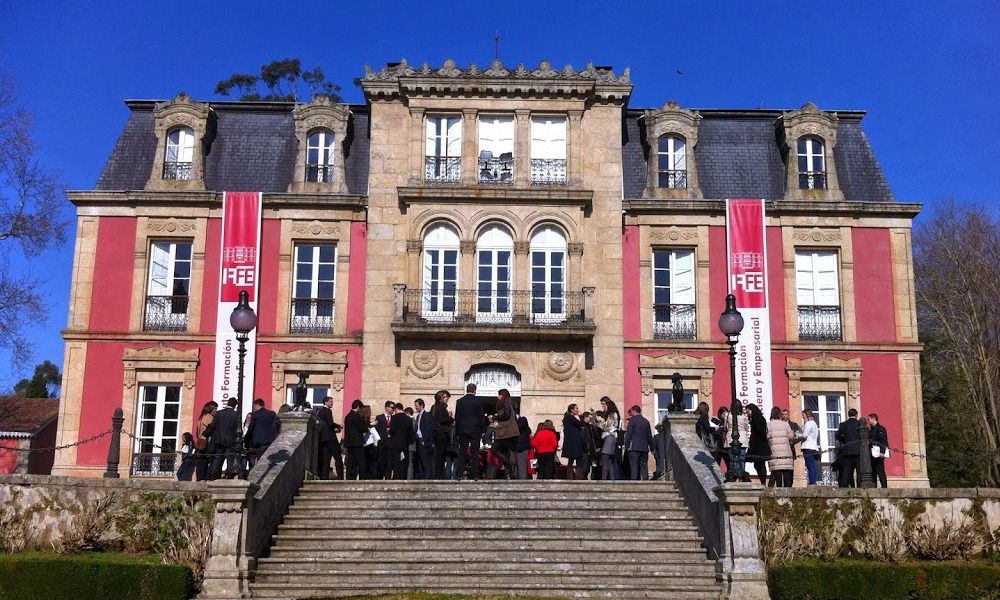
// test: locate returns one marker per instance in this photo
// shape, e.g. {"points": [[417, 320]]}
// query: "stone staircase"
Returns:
{"points": [[578, 539]]}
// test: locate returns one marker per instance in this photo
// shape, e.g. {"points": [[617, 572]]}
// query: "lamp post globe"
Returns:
{"points": [[731, 324]]}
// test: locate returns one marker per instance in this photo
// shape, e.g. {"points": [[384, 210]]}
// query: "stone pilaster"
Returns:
{"points": [[227, 571], [744, 572]]}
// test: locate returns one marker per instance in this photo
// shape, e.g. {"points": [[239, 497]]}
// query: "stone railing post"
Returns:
{"points": [[744, 572], [114, 447], [589, 309], [398, 301], [307, 424], [227, 571], [866, 478]]}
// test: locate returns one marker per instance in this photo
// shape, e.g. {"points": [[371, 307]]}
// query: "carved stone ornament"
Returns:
{"points": [[496, 70], [309, 360], [695, 370], [575, 248], [425, 364], [816, 235], [674, 234], [467, 246], [521, 248], [824, 367], [315, 228], [158, 359], [561, 366], [170, 226], [823, 361], [414, 246], [675, 359]]}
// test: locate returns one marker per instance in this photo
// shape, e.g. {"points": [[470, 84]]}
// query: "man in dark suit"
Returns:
{"points": [[400, 437], [443, 425], [638, 441], [355, 435], [383, 467], [225, 434], [327, 437], [470, 424], [850, 449], [261, 431], [423, 427]]}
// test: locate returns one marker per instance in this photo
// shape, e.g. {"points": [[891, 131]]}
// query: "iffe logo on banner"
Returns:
{"points": [[241, 213], [748, 282]]}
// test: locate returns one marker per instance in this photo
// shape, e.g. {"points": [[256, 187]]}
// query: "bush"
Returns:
{"points": [[91, 576], [860, 580]]}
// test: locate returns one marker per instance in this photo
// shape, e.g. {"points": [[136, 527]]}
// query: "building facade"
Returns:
{"points": [[517, 228]]}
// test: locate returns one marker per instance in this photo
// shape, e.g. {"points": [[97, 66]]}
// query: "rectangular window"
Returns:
{"points": [[157, 420], [314, 394], [443, 151], [665, 397], [817, 294], [673, 294], [168, 286], [828, 412], [315, 288], [548, 150], [496, 149]]}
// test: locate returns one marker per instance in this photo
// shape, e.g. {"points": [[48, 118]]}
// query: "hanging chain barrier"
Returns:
{"points": [[92, 438]]}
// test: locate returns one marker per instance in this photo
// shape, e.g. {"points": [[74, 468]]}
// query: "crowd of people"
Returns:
{"points": [[770, 445]]}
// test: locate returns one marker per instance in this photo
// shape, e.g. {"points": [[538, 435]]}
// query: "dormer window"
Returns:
{"points": [[320, 156], [179, 154], [443, 154], [812, 171], [496, 150], [671, 165]]}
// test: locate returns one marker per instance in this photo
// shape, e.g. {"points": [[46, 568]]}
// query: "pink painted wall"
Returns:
{"points": [[356, 280], [633, 381], [352, 378], [775, 286], [114, 263], [880, 395], [717, 274], [631, 301], [210, 287], [267, 284], [103, 381], [204, 380], [874, 307]]}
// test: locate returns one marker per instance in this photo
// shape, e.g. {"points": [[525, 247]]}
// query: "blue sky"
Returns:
{"points": [[928, 73]]}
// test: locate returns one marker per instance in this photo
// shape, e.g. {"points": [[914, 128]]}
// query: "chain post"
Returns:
{"points": [[114, 448], [865, 475]]}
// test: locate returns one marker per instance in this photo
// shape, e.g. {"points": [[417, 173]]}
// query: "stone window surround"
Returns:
{"points": [[154, 229], [671, 119], [819, 374], [655, 373], [669, 238], [809, 121], [838, 239], [181, 112], [320, 114], [324, 368], [295, 232]]}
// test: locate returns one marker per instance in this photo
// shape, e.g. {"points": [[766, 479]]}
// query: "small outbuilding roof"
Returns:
{"points": [[25, 417]]}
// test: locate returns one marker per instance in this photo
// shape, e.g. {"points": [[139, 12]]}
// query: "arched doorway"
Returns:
{"points": [[490, 378]]}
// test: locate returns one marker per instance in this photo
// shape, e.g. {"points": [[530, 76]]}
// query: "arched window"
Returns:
{"points": [[319, 156], [179, 154], [812, 168], [440, 273], [548, 275], [671, 162], [494, 250]]}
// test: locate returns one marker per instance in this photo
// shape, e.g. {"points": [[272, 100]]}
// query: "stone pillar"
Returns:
{"points": [[672, 425], [574, 148], [417, 144], [227, 571], [470, 147], [589, 304], [398, 301], [744, 572], [309, 425], [522, 148]]}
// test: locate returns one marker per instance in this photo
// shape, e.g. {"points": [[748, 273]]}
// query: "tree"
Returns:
{"points": [[31, 200], [45, 383], [957, 268], [283, 80]]}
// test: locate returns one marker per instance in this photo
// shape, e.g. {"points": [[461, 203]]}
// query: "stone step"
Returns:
{"points": [[397, 503], [422, 578], [533, 541], [511, 552], [525, 516], [491, 487], [490, 524], [472, 586], [542, 565]]}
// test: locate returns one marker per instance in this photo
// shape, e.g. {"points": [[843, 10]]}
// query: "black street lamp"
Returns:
{"points": [[243, 320], [731, 324]]}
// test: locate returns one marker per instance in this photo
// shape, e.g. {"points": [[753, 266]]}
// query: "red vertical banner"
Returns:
{"points": [[747, 261], [241, 215]]}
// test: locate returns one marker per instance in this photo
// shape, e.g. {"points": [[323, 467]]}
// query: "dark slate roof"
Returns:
{"points": [[738, 156], [27, 415], [253, 148]]}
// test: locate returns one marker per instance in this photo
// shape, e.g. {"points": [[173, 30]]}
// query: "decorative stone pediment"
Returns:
{"points": [[696, 372], [674, 234], [810, 120], [182, 110], [824, 367], [823, 362], [671, 119], [329, 366], [817, 235], [315, 228], [675, 359], [170, 225], [160, 358]]}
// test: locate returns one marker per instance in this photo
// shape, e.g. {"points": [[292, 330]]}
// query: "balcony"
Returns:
{"points": [[464, 314], [674, 322], [311, 316], [548, 171], [155, 464], [165, 313], [496, 170], [319, 173], [180, 171], [675, 180], [819, 323], [442, 169], [812, 180]]}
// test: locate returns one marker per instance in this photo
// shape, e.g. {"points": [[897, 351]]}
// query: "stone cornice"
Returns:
{"points": [[147, 337], [774, 208], [555, 196], [275, 200], [805, 347]]}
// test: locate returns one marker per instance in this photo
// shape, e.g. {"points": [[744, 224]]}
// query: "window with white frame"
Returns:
{"points": [[443, 149], [817, 294], [168, 286], [548, 150], [673, 294], [314, 394], [812, 171], [315, 288], [548, 275], [496, 149], [439, 294], [828, 412], [671, 162], [494, 250], [664, 398], [179, 154], [157, 426], [319, 156]]}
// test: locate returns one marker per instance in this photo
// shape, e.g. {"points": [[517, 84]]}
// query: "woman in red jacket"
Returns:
{"points": [[545, 444]]}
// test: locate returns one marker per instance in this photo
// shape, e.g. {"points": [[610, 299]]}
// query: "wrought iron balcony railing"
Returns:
{"points": [[819, 323], [180, 171], [676, 179], [155, 464], [319, 173], [496, 170], [442, 169], [166, 313], [812, 180], [674, 322], [312, 315], [491, 308], [548, 171]]}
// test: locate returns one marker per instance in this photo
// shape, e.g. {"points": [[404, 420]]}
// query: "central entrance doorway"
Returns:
{"points": [[490, 378]]}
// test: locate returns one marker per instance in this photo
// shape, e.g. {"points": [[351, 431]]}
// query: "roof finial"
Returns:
{"points": [[496, 46]]}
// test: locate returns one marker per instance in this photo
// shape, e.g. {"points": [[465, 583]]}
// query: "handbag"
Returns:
{"points": [[877, 452]]}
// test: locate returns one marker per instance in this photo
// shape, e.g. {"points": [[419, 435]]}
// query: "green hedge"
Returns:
{"points": [[92, 576], [860, 580]]}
